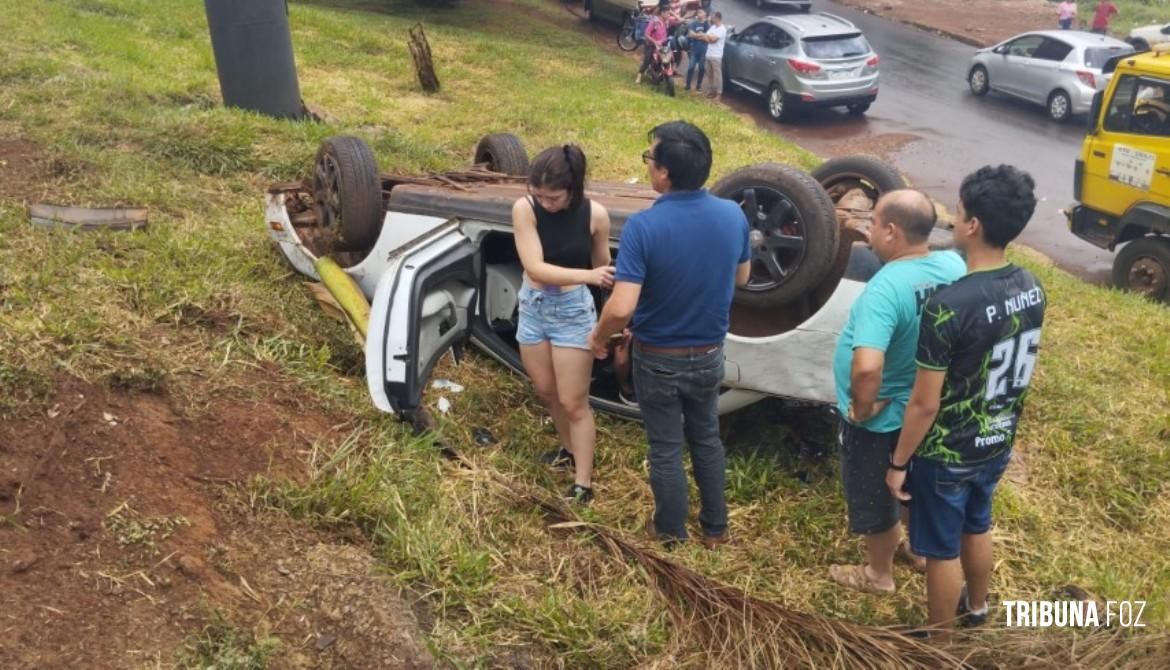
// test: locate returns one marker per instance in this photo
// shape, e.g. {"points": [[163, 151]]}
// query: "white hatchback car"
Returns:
{"points": [[1060, 69]]}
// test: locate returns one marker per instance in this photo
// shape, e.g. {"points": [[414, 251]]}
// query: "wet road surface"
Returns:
{"points": [[924, 100]]}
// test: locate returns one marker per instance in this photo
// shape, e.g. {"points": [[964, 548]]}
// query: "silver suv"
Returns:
{"points": [[814, 60]]}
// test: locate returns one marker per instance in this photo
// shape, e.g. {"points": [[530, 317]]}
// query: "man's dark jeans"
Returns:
{"points": [[696, 63], [678, 396]]}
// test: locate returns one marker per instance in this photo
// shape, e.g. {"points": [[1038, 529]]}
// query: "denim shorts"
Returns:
{"points": [[948, 501], [865, 459], [565, 319]]}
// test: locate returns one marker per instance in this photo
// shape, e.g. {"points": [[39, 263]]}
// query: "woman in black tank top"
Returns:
{"points": [[562, 239]]}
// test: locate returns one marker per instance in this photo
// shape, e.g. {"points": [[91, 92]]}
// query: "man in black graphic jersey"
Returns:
{"points": [[977, 349]]}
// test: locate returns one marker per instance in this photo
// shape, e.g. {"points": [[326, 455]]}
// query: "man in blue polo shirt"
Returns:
{"points": [[677, 268]]}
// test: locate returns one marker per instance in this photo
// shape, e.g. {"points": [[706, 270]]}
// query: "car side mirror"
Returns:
{"points": [[1095, 112], [1001, 50]]}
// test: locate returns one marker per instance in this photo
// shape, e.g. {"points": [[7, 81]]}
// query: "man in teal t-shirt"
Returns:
{"points": [[874, 371]]}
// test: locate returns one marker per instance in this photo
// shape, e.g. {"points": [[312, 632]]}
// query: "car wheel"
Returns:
{"points": [[859, 109], [1059, 106], [1139, 44], [872, 175], [778, 107], [502, 152], [794, 232], [978, 81], [1143, 266], [348, 192]]}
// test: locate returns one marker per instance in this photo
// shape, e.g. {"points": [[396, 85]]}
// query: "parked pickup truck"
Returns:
{"points": [[1122, 178], [435, 257]]}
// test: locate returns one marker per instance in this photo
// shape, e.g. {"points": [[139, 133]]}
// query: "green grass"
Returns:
{"points": [[121, 99]]}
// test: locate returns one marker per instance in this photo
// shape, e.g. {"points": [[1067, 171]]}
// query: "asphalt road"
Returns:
{"points": [[924, 98]]}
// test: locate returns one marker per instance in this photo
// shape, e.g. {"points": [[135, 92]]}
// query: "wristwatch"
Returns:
{"points": [[900, 468]]}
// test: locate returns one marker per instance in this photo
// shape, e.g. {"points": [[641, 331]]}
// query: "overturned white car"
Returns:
{"points": [[436, 258]]}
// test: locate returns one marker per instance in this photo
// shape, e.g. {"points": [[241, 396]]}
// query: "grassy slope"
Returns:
{"points": [[124, 102]]}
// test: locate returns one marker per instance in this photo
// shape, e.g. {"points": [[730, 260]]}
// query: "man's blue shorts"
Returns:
{"points": [[564, 319], [948, 501]]}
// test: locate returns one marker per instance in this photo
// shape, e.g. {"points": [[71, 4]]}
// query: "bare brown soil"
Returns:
{"points": [[975, 22], [123, 527]]}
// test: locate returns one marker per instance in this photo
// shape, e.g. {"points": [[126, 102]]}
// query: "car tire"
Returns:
{"points": [[778, 108], [1143, 266], [859, 109], [871, 174], [347, 191], [1059, 106], [978, 80], [1139, 44], [502, 152], [794, 232]]}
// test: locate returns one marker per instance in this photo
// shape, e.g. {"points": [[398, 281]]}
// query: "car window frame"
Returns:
{"points": [[1112, 112], [1052, 40], [760, 27], [1007, 47]]}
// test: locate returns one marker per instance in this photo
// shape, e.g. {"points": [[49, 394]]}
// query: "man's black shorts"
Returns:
{"points": [[865, 458]]}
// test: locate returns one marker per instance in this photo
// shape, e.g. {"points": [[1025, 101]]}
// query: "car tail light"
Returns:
{"points": [[804, 67], [873, 62], [1087, 78]]}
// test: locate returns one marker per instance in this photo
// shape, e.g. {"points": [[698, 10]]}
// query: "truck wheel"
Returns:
{"points": [[1143, 266], [502, 152], [876, 177], [348, 192], [794, 232]]}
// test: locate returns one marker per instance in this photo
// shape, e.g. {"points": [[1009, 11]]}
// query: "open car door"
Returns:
{"points": [[423, 305]]}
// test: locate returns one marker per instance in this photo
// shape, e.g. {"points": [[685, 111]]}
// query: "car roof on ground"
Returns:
{"points": [[1077, 38], [821, 24]]}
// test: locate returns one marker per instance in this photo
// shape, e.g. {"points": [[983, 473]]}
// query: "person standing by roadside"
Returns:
{"points": [[562, 239], [680, 312], [697, 60], [1105, 12], [977, 350], [654, 36], [874, 369], [1066, 14], [716, 40]]}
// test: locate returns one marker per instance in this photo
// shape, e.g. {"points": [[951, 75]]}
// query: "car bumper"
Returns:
{"points": [[829, 93], [1096, 228]]}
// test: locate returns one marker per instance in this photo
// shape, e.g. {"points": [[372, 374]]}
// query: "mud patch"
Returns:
{"points": [[22, 168], [122, 528], [979, 24]]}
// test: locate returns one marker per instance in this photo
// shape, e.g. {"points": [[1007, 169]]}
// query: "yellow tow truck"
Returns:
{"points": [[1122, 179]]}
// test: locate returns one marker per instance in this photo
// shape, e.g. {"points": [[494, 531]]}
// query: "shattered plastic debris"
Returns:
{"points": [[447, 385]]}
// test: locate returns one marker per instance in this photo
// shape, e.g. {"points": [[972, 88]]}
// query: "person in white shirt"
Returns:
{"points": [[716, 38]]}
